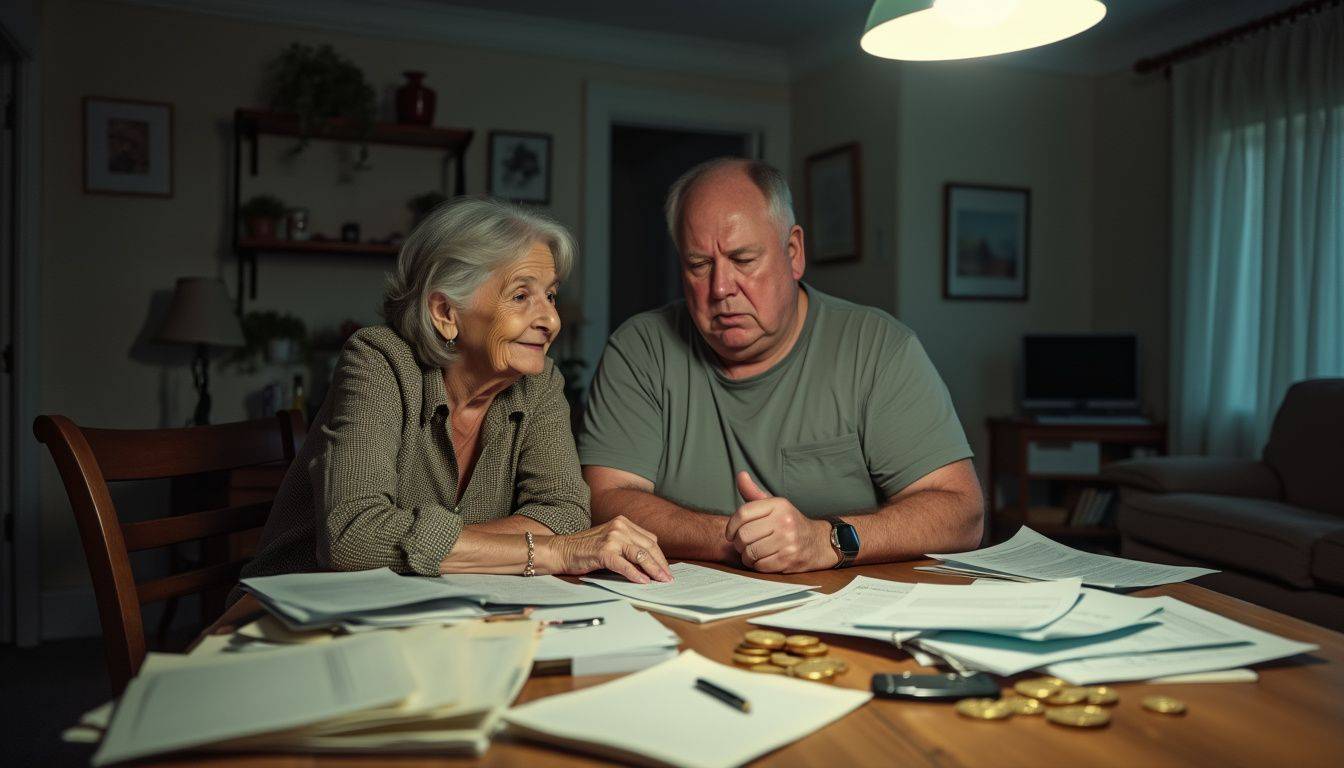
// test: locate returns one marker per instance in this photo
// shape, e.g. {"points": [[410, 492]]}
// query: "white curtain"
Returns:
{"points": [[1257, 283]]}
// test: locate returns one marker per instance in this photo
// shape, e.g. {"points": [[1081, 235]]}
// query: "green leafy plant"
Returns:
{"points": [[262, 206], [421, 205], [318, 84], [259, 328]]}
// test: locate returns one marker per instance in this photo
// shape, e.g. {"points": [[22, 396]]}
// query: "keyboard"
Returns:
{"points": [[1125, 420]]}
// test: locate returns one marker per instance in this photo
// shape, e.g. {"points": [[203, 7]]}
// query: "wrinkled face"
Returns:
{"points": [[512, 319], [739, 270]]}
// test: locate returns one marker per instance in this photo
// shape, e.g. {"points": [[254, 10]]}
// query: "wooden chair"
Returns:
{"points": [[88, 459]]}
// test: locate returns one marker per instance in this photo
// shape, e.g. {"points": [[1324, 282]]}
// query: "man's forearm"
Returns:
{"points": [[682, 533], [905, 528]]}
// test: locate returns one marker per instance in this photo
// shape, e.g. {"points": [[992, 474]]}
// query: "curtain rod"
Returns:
{"points": [[1164, 61]]}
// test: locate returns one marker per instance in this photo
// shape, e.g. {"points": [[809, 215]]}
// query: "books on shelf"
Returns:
{"points": [[1090, 508]]}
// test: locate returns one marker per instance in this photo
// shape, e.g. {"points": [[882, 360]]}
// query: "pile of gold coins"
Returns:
{"points": [[801, 656], [1062, 704]]}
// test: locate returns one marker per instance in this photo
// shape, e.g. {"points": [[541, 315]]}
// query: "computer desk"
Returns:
{"points": [[1292, 717]]}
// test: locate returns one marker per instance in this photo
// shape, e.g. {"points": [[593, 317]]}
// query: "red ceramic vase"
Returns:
{"points": [[415, 102]]}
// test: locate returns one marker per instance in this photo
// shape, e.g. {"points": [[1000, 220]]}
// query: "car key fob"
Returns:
{"points": [[907, 685]]}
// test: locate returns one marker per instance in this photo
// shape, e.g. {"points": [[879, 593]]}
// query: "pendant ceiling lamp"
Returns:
{"points": [[936, 30]]}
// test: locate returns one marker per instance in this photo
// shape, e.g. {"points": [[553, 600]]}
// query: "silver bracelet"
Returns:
{"points": [[529, 570]]}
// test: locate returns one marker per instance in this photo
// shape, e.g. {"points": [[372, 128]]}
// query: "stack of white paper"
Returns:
{"points": [[840, 613], [440, 689], [658, 715], [361, 600], [625, 641], [1029, 555], [1009, 607], [702, 594]]}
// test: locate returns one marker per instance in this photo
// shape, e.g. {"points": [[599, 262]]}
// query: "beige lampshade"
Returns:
{"points": [[201, 313]]}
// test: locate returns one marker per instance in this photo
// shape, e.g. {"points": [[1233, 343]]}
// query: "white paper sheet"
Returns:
{"points": [[1096, 612], [1030, 554], [978, 606], [658, 714], [624, 630], [1256, 647], [707, 615], [344, 592], [699, 587], [249, 694], [839, 613], [502, 589], [1177, 626]]}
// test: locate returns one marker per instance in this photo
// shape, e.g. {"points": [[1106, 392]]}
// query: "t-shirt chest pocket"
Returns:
{"points": [[828, 477]]}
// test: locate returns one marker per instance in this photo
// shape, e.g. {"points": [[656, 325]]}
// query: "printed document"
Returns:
{"points": [[841, 612], [978, 606], [700, 587], [658, 715], [1030, 554]]}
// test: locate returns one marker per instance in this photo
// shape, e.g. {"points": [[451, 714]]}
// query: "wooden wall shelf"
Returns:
{"points": [[256, 121]]}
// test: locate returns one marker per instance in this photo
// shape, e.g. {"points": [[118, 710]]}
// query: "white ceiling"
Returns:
{"points": [[812, 29]]}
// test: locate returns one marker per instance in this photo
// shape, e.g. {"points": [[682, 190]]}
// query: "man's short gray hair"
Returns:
{"points": [[765, 176], [453, 251]]}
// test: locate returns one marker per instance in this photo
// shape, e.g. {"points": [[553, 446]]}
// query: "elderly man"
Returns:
{"points": [[764, 421]]}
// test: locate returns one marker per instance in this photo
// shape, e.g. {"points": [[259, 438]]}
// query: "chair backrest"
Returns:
{"points": [[1306, 444], [88, 459]]}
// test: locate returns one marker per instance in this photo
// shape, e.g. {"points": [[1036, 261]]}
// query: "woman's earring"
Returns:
{"points": [[452, 345]]}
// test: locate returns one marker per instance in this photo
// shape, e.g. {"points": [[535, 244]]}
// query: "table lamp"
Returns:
{"points": [[201, 314]]}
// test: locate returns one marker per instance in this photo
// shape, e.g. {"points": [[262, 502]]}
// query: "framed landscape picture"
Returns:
{"points": [[128, 147], [834, 224], [520, 166], [986, 242]]}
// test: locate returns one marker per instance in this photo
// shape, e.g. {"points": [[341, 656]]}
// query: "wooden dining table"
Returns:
{"points": [[1292, 717]]}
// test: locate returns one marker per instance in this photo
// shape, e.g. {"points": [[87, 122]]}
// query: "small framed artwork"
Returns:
{"points": [[834, 207], [520, 166], [128, 147], [986, 242]]}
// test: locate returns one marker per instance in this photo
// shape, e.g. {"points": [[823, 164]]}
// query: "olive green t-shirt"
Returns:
{"points": [[852, 415]]}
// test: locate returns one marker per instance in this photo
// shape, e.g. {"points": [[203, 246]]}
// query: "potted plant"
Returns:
{"points": [[317, 84], [280, 337], [260, 214], [421, 205]]}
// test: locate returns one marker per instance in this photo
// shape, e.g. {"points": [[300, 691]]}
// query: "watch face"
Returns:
{"points": [[846, 538]]}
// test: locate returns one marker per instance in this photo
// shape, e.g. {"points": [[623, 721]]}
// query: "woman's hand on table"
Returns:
{"points": [[618, 545]]}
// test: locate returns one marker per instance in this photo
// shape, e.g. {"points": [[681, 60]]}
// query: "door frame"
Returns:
{"points": [[19, 28], [769, 122]]}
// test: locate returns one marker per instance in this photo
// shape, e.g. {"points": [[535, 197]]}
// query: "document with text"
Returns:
{"points": [[700, 587], [978, 606], [841, 612]]}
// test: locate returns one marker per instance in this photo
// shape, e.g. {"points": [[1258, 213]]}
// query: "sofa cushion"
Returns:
{"points": [[1306, 444], [1258, 536], [1327, 563]]}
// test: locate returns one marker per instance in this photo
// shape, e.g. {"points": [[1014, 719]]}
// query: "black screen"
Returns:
{"points": [[1100, 367]]}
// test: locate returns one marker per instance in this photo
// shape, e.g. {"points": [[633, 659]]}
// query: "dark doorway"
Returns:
{"points": [[644, 163]]}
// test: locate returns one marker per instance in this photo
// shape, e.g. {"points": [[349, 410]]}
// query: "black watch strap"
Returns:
{"points": [[844, 540]]}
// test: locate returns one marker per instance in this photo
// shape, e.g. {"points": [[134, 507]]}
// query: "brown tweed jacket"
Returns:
{"points": [[376, 481]]}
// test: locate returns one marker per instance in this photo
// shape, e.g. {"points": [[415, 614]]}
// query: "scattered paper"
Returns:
{"points": [[841, 612], [978, 606], [700, 587]]}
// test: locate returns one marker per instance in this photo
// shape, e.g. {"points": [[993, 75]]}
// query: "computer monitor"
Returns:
{"points": [[1080, 373]]}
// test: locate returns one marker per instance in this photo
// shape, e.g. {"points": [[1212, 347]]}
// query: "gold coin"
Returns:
{"points": [[781, 659], [764, 638], [747, 661], [1086, 716], [1067, 696], [1039, 687], [1102, 695], [801, 641], [1164, 704], [811, 651], [812, 669], [747, 650], [769, 669], [1022, 705], [983, 709], [836, 666]]}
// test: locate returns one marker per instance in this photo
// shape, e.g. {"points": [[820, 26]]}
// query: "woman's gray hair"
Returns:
{"points": [[765, 176], [453, 251]]}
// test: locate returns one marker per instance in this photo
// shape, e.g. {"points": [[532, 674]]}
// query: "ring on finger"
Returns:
{"points": [[639, 557]]}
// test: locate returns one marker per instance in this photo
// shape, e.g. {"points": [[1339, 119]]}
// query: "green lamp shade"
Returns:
{"points": [[937, 30]]}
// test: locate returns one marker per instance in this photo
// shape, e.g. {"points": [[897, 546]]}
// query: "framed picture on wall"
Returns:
{"points": [[128, 147], [834, 224], [520, 166], [986, 242]]}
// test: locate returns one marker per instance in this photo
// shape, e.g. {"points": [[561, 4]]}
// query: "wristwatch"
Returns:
{"points": [[844, 540]]}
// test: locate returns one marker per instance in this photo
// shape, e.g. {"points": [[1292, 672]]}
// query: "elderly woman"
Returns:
{"points": [[444, 445]]}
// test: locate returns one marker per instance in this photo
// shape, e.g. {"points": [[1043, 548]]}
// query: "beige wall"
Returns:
{"points": [[103, 258]]}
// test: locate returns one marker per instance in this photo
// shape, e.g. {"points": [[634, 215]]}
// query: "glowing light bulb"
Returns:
{"points": [[975, 14]]}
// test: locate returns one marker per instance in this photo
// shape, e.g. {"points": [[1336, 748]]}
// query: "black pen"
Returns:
{"points": [[595, 621], [727, 697]]}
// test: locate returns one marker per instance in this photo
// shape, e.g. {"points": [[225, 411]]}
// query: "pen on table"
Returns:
{"points": [[594, 621], [726, 696]]}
